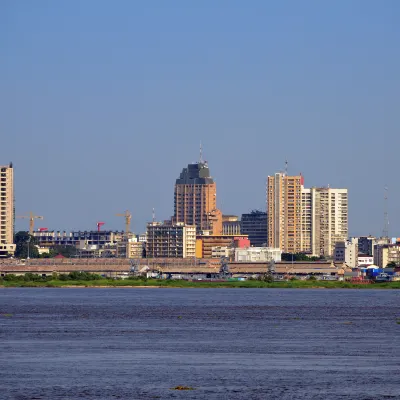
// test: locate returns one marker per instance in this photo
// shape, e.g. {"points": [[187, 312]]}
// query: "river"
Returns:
{"points": [[122, 343]]}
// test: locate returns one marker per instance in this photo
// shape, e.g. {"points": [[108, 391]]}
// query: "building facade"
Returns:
{"points": [[385, 254], [366, 245], [258, 254], [255, 225], [347, 252], [302, 220], [230, 225], [364, 259], [284, 212], [7, 246], [329, 219], [206, 243], [170, 240], [76, 238], [195, 200]]}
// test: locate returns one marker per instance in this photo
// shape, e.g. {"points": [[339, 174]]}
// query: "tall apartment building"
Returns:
{"points": [[7, 246], [255, 226], [195, 201], [284, 212], [305, 220], [170, 240], [329, 219]]}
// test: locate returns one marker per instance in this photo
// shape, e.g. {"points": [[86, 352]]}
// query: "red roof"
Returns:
{"points": [[59, 256]]}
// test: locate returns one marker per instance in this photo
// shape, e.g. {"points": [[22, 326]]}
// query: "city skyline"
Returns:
{"points": [[120, 226], [89, 115]]}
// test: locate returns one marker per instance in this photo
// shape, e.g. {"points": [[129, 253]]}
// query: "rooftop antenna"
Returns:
{"points": [[154, 215], [385, 232], [201, 153], [286, 167]]}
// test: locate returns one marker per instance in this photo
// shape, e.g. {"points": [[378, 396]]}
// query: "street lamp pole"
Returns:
{"points": [[29, 245]]}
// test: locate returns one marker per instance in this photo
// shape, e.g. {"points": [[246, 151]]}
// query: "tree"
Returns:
{"points": [[392, 264], [267, 277], [22, 240]]}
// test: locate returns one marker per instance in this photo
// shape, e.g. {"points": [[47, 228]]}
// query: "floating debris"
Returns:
{"points": [[182, 388]]}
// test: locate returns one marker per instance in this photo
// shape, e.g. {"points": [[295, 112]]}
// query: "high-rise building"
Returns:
{"points": [[195, 201], [284, 212], [7, 246], [324, 219], [302, 220], [254, 225], [166, 240]]}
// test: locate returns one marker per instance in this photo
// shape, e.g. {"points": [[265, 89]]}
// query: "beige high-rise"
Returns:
{"points": [[304, 220], [284, 212], [7, 246], [195, 199]]}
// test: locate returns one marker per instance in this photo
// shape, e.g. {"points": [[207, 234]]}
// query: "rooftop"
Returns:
{"points": [[195, 174]]}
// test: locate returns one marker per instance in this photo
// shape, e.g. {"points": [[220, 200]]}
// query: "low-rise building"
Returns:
{"points": [[221, 251], [385, 254], [231, 225], [347, 252], [365, 259], [91, 238], [170, 240], [366, 244], [205, 243], [258, 254], [255, 225]]}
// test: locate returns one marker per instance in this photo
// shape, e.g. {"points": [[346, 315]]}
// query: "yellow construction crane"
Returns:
{"points": [[128, 218], [31, 218]]}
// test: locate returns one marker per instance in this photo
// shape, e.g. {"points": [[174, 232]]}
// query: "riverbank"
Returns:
{"points": [[158, 283]]}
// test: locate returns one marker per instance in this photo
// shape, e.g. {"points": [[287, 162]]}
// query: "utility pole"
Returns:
{"points": [[385, 232]]}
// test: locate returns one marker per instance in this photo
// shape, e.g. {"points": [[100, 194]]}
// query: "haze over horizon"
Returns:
{"points": [[102, 104]]}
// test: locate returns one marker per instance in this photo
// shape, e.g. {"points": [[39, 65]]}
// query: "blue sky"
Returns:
{"points": [[102, 103]]}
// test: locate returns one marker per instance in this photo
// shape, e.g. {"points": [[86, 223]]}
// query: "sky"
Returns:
{"points": [[102, 103]]}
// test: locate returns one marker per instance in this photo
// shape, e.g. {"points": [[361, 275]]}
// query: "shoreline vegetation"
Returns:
{"points": [[86, 280]]}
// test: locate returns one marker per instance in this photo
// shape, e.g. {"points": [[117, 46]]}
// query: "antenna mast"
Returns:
{"points": [[286, 167], [201, 153], [154, 215], [385, 232]]}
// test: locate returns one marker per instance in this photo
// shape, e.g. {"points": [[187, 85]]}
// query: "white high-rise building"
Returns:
{"points": [[329, 220], [7, 246]]}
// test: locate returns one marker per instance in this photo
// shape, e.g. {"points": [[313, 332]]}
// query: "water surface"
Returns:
{"points": [[225, 343]]}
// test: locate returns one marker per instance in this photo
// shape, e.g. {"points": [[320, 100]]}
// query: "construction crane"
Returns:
{"points": [[99, 225], [31, 218], [128, 218]]}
